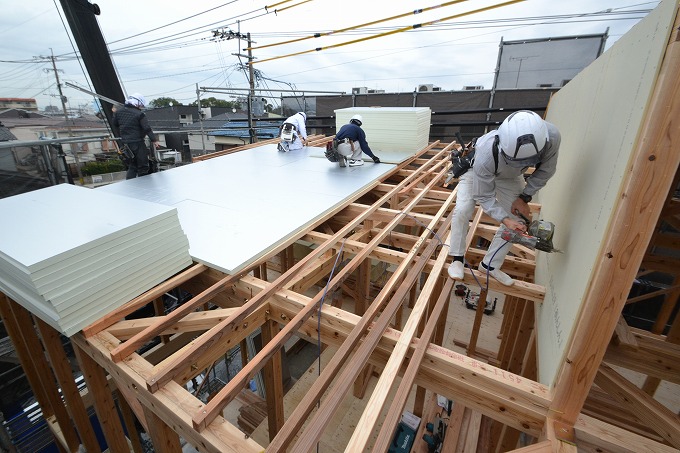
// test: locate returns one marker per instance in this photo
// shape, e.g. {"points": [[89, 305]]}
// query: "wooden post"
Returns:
{"points": [[104, 404], [273, 382], [69, 390], [363, 284], [165, 440], [24, 356], [43, 376], [129, 419], [479, 313]]}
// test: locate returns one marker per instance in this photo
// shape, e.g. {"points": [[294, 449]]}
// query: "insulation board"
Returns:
{"points": [[391, 132], [71, 254], [238, 207], [599, 128]]}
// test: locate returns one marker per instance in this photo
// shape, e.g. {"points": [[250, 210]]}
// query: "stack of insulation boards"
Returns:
{"points": [[400, 130], [70, 255]]}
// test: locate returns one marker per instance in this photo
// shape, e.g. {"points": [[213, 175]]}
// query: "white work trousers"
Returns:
{"points": [[345, 149], [507, 191]]}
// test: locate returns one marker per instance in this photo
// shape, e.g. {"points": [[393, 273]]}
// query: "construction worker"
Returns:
{"points": [[497, 183], [351, 142], [293, 133], [132, 127]]}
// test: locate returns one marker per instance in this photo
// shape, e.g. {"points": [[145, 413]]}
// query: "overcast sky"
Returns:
{"points": [[163, 48]]}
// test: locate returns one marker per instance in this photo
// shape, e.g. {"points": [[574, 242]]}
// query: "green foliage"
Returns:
{"points": [[214, 102], [102, 167], [163, 102]]}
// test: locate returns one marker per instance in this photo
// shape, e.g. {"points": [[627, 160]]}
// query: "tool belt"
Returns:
{"points": [[337, 142]]}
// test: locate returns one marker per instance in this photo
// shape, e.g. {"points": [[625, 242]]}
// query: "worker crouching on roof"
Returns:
{"points": [[497, 183], [293, 133], [351, 142], [132, 127]]}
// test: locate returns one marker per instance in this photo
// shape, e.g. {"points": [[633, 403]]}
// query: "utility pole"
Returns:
{"points": [[230, 34], [200, 117], [251, 94], [74, 148]]}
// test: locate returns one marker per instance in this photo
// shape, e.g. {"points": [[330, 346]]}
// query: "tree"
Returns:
{"points": [[163, 102], [214, 102]]}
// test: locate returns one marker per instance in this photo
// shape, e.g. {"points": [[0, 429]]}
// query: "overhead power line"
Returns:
{"points": [[342, 30], [398, 30]]}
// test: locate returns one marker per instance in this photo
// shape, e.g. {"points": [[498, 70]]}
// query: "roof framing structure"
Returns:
{"points": [[395, 328]]}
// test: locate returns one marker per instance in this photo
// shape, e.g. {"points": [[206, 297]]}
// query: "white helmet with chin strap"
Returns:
{"points": [[521, 138], [356, 119]]}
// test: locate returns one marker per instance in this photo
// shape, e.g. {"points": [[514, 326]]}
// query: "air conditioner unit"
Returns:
{"points": [[473, 87], [425, 87]]}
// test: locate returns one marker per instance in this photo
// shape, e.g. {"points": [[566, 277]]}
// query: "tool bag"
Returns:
{"points": [[288, 132], [331, 152]]}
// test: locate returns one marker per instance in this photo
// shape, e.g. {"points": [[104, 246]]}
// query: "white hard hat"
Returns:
{"points": [[521, 138], [137, 100], [357, 119]]}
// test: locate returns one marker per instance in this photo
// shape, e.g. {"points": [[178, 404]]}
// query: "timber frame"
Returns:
{"points": [[399, 229]]}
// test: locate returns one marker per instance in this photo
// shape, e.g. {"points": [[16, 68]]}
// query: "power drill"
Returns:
{"points": [[538, 236]]}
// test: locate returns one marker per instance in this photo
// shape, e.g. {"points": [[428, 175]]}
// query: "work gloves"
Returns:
{"points": [[375, 159]]}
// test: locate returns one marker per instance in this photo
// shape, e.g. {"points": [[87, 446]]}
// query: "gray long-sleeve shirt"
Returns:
{"points": [[485, 176]]}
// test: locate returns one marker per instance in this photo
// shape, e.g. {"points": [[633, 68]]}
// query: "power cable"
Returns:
{"points": [[175, 22], [342, 30], [399, 30]]}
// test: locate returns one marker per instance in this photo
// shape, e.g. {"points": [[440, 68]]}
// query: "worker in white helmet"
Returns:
{"points": [[293, 133], [496, 181], [351, 143], [132, 126]]}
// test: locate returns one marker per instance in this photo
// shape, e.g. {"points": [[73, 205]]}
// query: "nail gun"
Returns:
{"points": [[538, 236]]}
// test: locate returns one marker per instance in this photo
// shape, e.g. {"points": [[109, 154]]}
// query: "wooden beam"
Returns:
{"points": [[198, 321], [228, 392], [369, 418], [632, 223], [501, 395], [140, 301], [160, 324], [234, 321], [623, 337], [349, 345], [613, 439], [647, 409], [173, 404], [654, 357]]}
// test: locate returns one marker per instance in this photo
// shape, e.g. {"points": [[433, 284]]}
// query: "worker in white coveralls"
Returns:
{"points": [[351, 143], [497, 183], [293, 133]]}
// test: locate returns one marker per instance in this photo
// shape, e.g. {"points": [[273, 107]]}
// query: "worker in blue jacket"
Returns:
{"points": [[351, 142]]}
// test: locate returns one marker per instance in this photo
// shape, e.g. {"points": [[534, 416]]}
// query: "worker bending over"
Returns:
{"points": [[351, 142], [293, 133], [497, 183]]}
